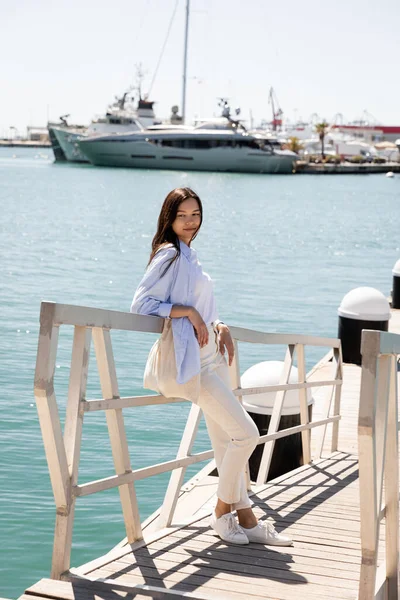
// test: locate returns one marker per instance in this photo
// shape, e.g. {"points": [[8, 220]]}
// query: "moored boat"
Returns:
{"points": [[218, 145], [120, 117], [196, 149]]}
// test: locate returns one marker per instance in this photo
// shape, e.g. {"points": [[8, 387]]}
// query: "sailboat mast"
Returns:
{"points": [[185, 62]]}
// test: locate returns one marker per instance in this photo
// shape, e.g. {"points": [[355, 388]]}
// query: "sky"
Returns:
{"points": [[74, 56]]}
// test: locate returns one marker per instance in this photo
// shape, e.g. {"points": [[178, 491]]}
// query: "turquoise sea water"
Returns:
{"points": [[282, 250]]}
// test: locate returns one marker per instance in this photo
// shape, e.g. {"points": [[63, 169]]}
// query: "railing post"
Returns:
{"points": [[116, 430], [370, 345], [177, 476], [47, 406], [72, 442], [334, 392], [275, 417], [50, 421], [337, 394], [392, 487], [306, 434], [380, 426]]}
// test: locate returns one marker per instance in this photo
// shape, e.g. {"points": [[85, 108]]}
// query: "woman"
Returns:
{"points": [[175, 286]]}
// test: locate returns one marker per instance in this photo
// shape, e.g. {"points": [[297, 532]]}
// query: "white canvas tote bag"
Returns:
{"points": [[160, 372]]}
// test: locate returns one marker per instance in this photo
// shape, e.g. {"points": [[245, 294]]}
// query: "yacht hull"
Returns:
{"points": [[68, 142], [147, 155], [59, 155]]}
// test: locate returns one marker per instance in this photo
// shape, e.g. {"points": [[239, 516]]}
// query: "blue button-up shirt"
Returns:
{"points": [[156, 294]]}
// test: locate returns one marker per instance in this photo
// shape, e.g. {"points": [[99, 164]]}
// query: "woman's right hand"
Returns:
{"points": [[199, 326]]}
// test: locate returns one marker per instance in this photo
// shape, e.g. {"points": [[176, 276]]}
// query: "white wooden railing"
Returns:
{"points": [[378, 463], [63, 450]]}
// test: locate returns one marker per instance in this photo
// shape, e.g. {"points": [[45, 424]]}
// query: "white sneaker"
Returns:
{"points": [[228, 529], [265, 533]]}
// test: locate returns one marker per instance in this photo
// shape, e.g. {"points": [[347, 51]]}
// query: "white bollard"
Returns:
{"points": [[288, 452], [362, 308]]}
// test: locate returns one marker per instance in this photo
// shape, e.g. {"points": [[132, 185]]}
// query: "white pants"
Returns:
{"points": [[232, 432]]}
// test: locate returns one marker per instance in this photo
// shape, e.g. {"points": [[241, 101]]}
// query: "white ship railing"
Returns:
{"points": [[379, 463], [63, 451]]}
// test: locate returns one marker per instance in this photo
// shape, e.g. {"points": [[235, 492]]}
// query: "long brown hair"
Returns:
{"points": [[165, 234]]}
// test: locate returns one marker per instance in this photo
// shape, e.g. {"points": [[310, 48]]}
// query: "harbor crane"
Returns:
{"points": [[277, 112]]}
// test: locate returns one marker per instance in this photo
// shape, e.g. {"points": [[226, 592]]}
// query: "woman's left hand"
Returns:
{"points": [[225, 341]]}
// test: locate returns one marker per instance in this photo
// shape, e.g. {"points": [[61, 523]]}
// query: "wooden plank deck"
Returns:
{"points": [[317, 504]]}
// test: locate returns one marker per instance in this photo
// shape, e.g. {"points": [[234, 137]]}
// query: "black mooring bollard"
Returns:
{"points": [[288, 451], [396, 286], [362, 308]]}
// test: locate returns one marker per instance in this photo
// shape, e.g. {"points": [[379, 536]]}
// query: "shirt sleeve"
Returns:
{"points": [[153, 292]]}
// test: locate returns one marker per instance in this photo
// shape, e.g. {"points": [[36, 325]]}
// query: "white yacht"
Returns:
{"points": [[120, 117], [219, 145]]}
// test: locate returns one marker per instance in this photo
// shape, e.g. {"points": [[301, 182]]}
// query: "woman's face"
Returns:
{"points": [[187, 221]]}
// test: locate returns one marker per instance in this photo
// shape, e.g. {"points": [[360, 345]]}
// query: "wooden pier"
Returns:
{"points": [[346, 168], [340, 549], [24, 144]]}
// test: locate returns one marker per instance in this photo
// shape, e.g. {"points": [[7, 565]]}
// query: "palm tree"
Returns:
{"points": [[294, 144], [321, 129]]}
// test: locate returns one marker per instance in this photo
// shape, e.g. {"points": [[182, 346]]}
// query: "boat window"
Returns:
{"points": [[223, 143], [197, 144], [205, 144], [258, 144], [191, 144]]}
